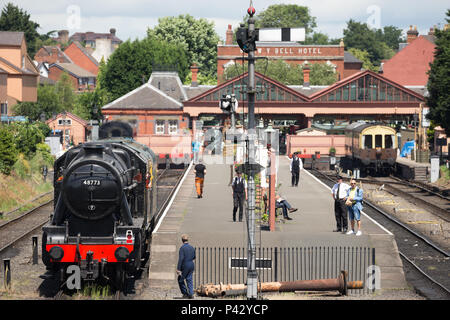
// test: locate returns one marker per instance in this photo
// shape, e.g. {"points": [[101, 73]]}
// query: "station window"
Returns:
{"points": [[4, 109], [389, 141], [159, 128], [173, 127], [64, 122], [367, 142], [378, 141]]}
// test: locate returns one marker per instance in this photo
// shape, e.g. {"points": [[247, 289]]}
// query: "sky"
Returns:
{"points": [[131, 18]]}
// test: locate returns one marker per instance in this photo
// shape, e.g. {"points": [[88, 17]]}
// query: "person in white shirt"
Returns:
{"points": [[339, 194], [239, 187]]}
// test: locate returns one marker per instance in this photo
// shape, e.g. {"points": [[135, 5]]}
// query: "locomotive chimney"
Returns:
{"points": [[94, 150]]}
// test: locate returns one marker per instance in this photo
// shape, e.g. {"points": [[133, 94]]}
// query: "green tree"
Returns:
{"points": [[51, 99], [319, 38], [197, 36], [392, 36], [286, 16], [439, 80], [15, 19], [286, 73], [132, 64], [64, 89], [26, 136], [363, 55], [322, 74], [359, 36], [8, 151]]}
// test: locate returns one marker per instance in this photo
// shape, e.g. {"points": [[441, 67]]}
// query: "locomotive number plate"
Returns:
{"points": [[91, 182]]}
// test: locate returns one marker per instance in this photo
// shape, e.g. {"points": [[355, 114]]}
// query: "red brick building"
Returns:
{"points": [[81, 57], [410, 65], [51, 54], [73, 128], [290, 52], [81, 79]]}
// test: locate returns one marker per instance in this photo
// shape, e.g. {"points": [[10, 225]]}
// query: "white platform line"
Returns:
{"points": [[323, 184], [173, 198]]}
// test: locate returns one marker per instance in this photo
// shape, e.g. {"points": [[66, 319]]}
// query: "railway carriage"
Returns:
{"points": [[370, 147], [104, 211]]}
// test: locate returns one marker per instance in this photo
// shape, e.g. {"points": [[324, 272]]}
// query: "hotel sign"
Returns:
{"points": [[312, 51]]}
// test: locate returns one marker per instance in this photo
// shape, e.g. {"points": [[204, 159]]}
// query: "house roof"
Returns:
{"points": [[61, 53], [146, 97], [69, 115], [92, 36], [359, 75], [11, 38], [350, 58], [74, 70], [241, 80], [17, 69], [169, 83], [85, 52]]}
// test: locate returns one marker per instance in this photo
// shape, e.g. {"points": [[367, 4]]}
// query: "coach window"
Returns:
{"points": [[378, 141], [367, 141], [389, 141], [173, 126], [159, 128]]}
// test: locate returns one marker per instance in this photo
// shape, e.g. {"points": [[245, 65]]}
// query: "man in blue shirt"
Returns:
{"points": [[185, 268]]}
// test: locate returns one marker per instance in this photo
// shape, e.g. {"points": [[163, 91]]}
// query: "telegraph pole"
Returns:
{"points": [[252, 276]]}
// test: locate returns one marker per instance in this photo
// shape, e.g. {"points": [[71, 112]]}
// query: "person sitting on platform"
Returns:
{"points": [[282, 203]]}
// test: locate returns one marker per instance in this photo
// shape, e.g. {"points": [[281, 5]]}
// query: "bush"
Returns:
{"points": [[22, 167], [8, 151]]}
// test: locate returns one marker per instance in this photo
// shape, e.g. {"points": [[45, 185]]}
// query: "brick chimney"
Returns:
{"points": [[63, 36], [229, 39], [54, 55], [112, 31], [194, 70], [306, 72], [412, 34]]}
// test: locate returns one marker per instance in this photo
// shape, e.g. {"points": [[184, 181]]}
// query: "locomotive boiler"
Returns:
{"points": [[104, 210]]}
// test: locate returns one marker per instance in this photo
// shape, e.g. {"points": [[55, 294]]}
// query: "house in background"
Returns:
{"points": [[73, 129], [82, 57], [410, 65], [18, 74], [82, 80]]}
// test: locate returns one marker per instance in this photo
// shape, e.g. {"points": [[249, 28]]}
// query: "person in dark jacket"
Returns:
{"points": [[239, 187], [185, 268], [295, 167]]}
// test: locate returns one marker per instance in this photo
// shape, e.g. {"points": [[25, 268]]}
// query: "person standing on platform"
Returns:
{"points": [[239, 187], [354, 204], [185, 268], [200, 171], [295, 167], [195, 150], [339, 194]]}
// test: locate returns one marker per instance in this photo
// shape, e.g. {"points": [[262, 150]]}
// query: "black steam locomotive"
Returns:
{"points": [[104, 211]]}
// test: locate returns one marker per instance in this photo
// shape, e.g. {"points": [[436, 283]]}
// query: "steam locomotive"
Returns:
{"points": [[104, 211]]}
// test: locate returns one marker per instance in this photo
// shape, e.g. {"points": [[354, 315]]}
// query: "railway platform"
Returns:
{"points": [[208, 221]]}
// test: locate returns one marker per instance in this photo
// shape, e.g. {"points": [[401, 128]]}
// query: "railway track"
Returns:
{"points": [[426, 263], [20, 227]]}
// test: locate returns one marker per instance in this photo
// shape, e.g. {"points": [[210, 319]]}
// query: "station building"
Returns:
{"points": [[291, 52]]}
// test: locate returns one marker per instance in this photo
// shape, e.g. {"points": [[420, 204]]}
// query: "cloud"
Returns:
{"points": [[131, 18]]}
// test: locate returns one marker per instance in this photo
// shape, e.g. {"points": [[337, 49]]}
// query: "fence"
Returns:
{"points": [[229, 265]]}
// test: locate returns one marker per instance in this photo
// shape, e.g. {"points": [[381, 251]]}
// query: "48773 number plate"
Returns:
{"points": [[92, 182]]}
